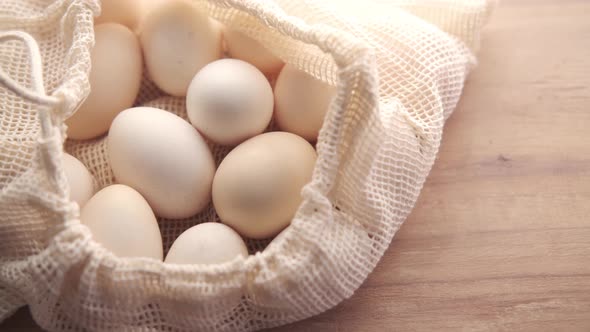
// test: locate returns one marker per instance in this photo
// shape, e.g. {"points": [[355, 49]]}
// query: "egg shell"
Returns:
{"points": [[164, 158], [79, 179], [229, 101], [121, 220], [207, 243], [115, 77], [125, 12], [257, 187], [218, 31], [301, 102], [177, 41], [146, 7], [240, 46]]}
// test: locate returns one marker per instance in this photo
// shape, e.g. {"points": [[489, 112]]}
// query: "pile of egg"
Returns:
{"points": [[162, 164]]}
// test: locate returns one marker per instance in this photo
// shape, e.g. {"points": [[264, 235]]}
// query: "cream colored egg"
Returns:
{"points": [[240, 46], [301, 102], [80, 180], [125, 12], [207, 243], [218, 31], [229, 101], [257, 187], [121, 220], [164, 158], [147, 6], [115, 78], [177, 41]]}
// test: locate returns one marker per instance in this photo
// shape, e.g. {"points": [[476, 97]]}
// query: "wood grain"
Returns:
{"points": [[500, 237]]}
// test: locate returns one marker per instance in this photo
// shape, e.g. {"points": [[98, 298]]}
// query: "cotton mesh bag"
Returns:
{"points": [[399, 67]]}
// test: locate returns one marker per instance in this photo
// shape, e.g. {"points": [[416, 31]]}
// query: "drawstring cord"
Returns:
{"points": [[49, 140], [37, 94]]}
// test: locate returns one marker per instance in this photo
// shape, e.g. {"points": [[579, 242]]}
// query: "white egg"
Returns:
{"points": [[80, 180], [164, 158], [257, 187], [229, 101], [115, 77], [207, 243], [122, 221], [177, 41], [301, 102], [240, 46], [125, 12]]}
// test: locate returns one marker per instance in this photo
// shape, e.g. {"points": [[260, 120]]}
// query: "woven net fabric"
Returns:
{"points": [[399, 67]]}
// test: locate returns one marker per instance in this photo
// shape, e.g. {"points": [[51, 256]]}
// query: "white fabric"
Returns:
{"points": [[399, 67]]}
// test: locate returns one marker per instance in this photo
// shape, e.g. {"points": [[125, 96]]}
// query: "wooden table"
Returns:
{"points": [[500, 237]]}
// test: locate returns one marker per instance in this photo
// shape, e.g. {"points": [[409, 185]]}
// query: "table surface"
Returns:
{"points": [[500, 237]]}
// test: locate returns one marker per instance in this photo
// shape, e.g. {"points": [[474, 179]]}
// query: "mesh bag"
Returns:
{"points": [[399, 67]]}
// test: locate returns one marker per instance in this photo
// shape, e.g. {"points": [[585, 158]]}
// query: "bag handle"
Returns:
{"points": [[37, 94], [50, 140]]}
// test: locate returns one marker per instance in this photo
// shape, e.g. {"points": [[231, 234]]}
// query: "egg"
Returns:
{"points": [[257, 187], [177, 41], [240, 46], [115, 77], [125, 12], [146, 8], [229, 101], [121, 220], [164, 158], [301, 102], [207, 243], [79, 179], [218, 31]]}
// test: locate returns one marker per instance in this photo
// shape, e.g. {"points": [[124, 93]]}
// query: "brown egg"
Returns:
{"points": [[257, 187], [301, 102], [115, 77], [125, 12], [177, 40], [79, 179], [240, 46], [121, 220]]}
